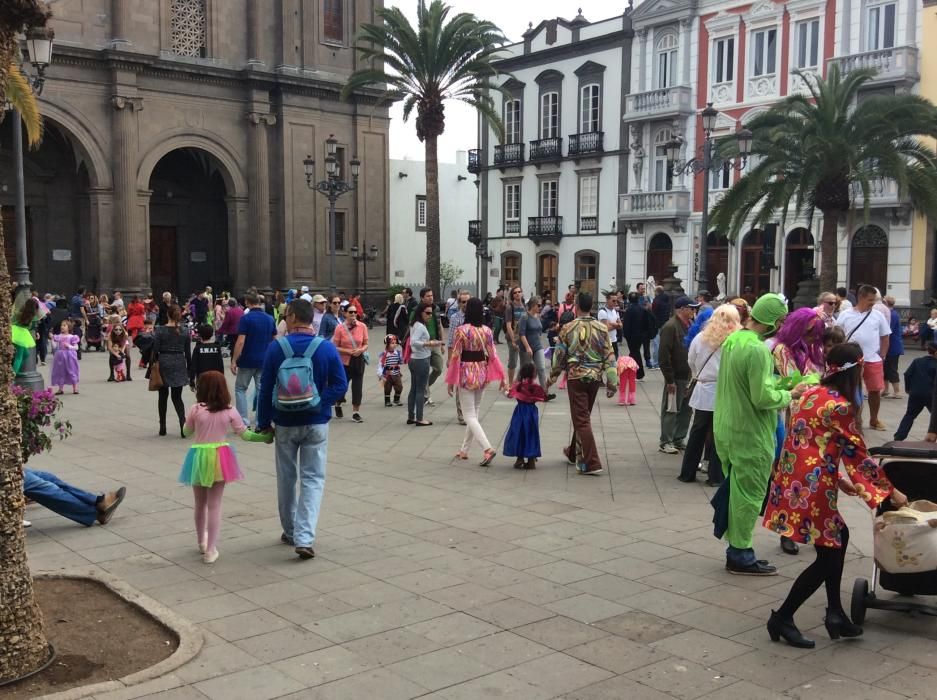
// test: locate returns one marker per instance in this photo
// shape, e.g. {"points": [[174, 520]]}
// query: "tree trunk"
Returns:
{"points": [[432, 216], [829, 251], [23, 646]]}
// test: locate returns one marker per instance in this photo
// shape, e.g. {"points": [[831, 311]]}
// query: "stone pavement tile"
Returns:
{"points": [[456, 628], [440, 669], [617, 654], [376, 683], [561, 632], [235, 576], [184, 693], [912, 681], [412, 525], [610, 587], [546, 544], [323, 666], [496, 576], [424, 581], [922, 652], [447, 536], [771, 671], [640, 627], [495, 685], [465, 596], [151, 688], [369, 594], [175, 593], [526, 518], [247, 624], [388, 566], [604, 539], [845, 659], [317, 606], [629, 567], [719, 621], [553, 508], [701, 647], [510, 613], [136, 564], [282, 644], [833, 686], [391, 646], [647, 551], [682, 582], [215, 660], [110, 552], [160, 578], [734, 598], [521, 558], [250, 684], [349, 556], [618, 688], [681, 679], [504, 649], [585, 554], [540, 591], [271, 594], [558, 673], [337, 579], [743, 690], [586, 608], [419, 551], [483, 547], [506, 532], [380, 618], [214, 607], [563, 572], [662, 603]]}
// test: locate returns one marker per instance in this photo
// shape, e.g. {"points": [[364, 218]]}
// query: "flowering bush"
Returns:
{"points": [[37, 411]]}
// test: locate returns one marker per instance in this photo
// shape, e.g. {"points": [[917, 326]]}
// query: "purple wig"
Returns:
{"points": [[805, 341]]}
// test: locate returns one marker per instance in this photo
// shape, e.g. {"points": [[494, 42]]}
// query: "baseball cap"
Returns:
{"points": [[685, 301], [344, 304], [306, 297], [319, 299], [304, 289]]}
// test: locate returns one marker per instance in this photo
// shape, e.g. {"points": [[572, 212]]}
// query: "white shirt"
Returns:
{"points": [[612, 316], [844, 305], [867, 335], [317, 320], [704, 395]]}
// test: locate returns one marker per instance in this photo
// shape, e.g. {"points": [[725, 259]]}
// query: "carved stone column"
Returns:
{"points": [[130, 254], [259, 202], [641, 35], [255, 49], [120, 24]]}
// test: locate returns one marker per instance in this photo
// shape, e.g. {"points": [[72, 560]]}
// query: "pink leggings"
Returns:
{"points": [[208, 513]]}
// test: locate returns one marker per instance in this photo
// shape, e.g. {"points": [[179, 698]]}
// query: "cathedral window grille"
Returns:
{"points": [[188, 23]]}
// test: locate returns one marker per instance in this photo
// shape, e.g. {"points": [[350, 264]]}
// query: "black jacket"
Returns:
{"points": [[637, 323], [205, 358]]}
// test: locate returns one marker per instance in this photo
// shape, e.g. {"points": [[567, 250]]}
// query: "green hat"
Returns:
{"points": [[769, 309]]}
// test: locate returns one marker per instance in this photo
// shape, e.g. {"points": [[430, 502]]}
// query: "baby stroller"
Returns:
{"points": [[94, 335], [910, 466]]}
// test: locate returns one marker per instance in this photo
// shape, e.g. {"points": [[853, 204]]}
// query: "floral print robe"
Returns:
{"points": [[804, 488]]}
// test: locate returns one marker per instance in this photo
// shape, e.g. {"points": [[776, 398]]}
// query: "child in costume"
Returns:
{"points": [[388, 370], [523, 436], [118, 348], [206, 356], [627, 380], [919, 381], [211, 462], [65, 361]]}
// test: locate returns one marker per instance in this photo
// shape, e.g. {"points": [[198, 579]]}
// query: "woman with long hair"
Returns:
{"points": [[172, 349], [704, 356], [136, 317], [802, 497], [24, 332], [420, 350], [473, 364]]}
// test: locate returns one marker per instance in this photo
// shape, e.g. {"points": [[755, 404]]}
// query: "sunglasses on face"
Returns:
{"points": [[351, 312]]}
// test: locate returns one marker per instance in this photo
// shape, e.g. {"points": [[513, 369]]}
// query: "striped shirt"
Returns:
{"points": [[389, 363]]}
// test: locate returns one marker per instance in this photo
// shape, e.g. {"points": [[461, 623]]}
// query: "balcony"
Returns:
{"points": [[654, 206], [665, 102], [585, 144], [883, 194], [509, 154], [895, 65], [545, 228], [475, 232], [588, 224], [546, 149], [512, 226], [474, 161]]}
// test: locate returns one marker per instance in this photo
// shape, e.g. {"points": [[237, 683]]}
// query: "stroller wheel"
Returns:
{"points": [[860, 593]]}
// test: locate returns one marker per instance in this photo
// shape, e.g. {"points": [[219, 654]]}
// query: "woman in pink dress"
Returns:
{"points": [[65, 362], [473, 363]]}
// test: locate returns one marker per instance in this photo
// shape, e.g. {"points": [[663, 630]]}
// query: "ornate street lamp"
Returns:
{"points": [[707, 161], [332, 187], [364, 256]]}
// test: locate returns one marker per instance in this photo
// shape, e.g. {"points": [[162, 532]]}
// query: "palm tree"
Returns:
{"points": [[824, 150], [21, 637], [423, 66]]}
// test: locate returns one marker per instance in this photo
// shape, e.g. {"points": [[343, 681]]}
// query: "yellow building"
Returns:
{"points": [[924, 240]]}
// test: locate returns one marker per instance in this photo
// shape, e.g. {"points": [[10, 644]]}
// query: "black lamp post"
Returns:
{"points": [[332, 187], [363, 256], [706, 162]]}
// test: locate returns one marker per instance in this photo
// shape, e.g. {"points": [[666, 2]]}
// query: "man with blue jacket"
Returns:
{"points": [[302, 437]]}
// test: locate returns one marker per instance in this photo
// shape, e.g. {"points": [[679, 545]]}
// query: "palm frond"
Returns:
{"points": [[21, 96]]}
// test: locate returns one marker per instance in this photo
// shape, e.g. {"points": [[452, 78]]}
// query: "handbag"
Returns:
{"points": [[692, 385], [156, 379]]}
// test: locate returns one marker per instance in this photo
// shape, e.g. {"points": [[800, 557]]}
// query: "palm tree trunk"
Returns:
{"points": [[23, 646], [432, 216], [829, 251]]}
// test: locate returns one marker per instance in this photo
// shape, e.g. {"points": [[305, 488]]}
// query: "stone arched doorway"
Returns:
{"points": [[798, 258], [659, 256], [717, 260], [868, 258], [188, 223]]}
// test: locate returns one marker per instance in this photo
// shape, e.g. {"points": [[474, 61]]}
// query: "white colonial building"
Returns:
{"points": [[548, 193]]}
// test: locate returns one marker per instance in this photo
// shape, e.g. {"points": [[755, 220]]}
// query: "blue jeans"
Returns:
{"points": [[301, 455], [740, 557], [655, 352], [241, 384], [71, 502], [419, 374]]}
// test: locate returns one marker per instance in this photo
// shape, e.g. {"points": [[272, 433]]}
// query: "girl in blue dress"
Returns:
{"points": [[523, 437]]}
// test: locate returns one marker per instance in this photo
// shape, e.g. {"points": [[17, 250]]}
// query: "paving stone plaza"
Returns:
{"points": [[437, 578]]}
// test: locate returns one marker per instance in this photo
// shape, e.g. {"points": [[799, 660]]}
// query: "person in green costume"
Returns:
{"points": [[23, 332], [744, 427]]}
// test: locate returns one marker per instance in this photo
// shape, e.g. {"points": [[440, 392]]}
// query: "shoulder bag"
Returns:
{"points": [[365, 356], [864, 319], [695, 380]]}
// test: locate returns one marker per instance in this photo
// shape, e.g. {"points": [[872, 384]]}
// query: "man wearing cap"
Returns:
{"points": [[744, 427], [675, 409]]}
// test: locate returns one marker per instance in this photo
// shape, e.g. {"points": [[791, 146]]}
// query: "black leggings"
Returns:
{"points": [[177, 403], [826, 569], [355, 378]]}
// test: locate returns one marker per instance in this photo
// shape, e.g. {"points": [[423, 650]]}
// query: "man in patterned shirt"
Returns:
{"points": [[584, 351]]}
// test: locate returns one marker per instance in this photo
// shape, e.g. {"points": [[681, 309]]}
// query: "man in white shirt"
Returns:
{"points": [[842, 297], [870, 331], [609, 315]]}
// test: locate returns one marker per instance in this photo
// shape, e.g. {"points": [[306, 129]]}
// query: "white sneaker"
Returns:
{"points": [[26, 523], [668, 449], [210, 557]]}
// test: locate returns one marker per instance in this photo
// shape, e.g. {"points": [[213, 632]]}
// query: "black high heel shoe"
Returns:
{"points": [[162, 428], [779, 627], [838, 625]]}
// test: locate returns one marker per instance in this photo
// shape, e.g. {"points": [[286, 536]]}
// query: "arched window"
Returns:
{"points": [[188, 28], [868, 259], [666, 60], [659, 256], [663, 177], [511, 269]]}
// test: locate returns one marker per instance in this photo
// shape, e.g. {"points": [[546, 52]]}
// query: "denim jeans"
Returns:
{"points": [[301, 453], [241, 384], [538, 362], [419, 372], [655, 352], [69, 501]]}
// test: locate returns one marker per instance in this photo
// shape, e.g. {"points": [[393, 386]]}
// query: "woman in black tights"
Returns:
{"points": [[172, 349], [802, 497]]}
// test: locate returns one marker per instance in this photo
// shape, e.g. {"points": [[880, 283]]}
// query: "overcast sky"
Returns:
{"points": [[512, 16]]}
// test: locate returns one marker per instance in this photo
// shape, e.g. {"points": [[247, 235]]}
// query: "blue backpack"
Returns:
{"points": [[295, 388]]}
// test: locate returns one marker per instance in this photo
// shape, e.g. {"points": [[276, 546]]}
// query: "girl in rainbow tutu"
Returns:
{"points": [[211, 462]]}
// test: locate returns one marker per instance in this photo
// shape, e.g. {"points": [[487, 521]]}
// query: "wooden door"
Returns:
{"points": [[798, 256], [752, 274], [587, 273], [868, 263], [717, 260], [546, 276], [659, 256], [163, 271]]}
